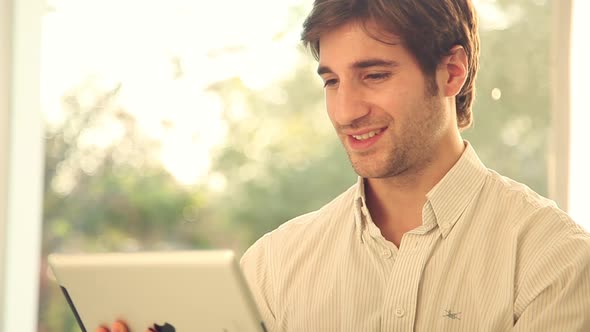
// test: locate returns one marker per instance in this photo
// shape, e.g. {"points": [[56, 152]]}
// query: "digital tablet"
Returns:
{"points": [[167, 291]]}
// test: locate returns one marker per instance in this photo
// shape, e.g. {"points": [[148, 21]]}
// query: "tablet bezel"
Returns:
{"points": [[101, 288]]}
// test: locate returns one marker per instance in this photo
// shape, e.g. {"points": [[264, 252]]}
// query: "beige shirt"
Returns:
{"points": [[491, 255]]}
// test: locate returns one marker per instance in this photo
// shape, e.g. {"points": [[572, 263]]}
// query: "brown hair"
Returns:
{"points": [[428, 28]]}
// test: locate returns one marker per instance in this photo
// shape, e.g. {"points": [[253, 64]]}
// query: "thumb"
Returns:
{"points": [[119, 326]]}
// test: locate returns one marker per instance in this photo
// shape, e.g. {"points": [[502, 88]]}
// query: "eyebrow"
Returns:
{"points": [[362, 64]]}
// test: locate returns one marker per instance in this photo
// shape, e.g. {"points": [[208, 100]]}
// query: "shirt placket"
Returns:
{"points": [[401, 297]]}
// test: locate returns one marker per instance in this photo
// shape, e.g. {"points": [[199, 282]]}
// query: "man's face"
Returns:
{"points": [[380, 103]]}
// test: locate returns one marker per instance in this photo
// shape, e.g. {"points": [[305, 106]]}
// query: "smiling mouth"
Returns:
{"points": [[368, 135]]}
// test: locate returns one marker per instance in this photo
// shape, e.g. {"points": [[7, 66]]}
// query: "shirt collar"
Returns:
{"points": [[448, 198], [456, 190]]}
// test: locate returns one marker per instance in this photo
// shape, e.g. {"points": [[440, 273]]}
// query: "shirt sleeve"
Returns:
{"points": [[256, 267], [555, 293]]}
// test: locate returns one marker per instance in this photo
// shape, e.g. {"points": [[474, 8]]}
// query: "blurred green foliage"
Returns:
{"points": [[511, 134], [280, 159]]}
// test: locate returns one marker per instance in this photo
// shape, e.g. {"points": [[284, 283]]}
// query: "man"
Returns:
{"points": [[428, 239]]}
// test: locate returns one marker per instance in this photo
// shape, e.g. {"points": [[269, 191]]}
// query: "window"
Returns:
{"points": [[170, 125]]}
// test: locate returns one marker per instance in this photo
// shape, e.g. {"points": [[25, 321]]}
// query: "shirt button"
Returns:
{"points": [[400, 312], [386, 253]]}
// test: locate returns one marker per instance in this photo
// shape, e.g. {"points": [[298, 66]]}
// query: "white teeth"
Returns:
{"points": [[367, 135]]}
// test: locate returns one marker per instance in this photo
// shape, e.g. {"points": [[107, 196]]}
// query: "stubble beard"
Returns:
{"points": [[411, 150], [394, 163]]}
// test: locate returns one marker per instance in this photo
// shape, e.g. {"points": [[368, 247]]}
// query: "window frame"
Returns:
{"points": [[559, 142], [21, 159]]}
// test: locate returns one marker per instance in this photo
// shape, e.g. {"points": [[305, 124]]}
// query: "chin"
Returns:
{"points": [[375, 170], [370, 172]]}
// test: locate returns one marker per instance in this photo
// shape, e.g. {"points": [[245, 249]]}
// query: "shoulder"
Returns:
{"points": [[303, 229], [552, 251], [549, 250], [523, 209], [307, 225], [535, 226], [278, 252]]}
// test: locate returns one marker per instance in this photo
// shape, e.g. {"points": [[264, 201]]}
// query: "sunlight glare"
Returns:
{"points": [[161, 54]]}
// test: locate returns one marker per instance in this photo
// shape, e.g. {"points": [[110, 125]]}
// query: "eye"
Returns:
{"points": [[377, 76], [330, 82]]}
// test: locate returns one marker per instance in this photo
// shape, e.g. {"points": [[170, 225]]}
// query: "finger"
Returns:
{"points": [[119, 326], [101, 329]]}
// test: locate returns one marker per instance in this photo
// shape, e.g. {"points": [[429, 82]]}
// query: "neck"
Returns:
{"points": [[396, 202]]}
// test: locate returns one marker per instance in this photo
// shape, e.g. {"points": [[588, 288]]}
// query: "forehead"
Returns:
{"points": [[355, 41]]}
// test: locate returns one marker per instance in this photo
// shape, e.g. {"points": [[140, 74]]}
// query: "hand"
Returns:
{"points": [[118, 326]]}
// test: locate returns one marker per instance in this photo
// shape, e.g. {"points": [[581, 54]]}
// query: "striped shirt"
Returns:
{"points": [[490, 255]]}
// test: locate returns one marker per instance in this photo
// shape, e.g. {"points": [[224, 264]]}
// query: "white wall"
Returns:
{"points": [[5, 55], [21, 159]]}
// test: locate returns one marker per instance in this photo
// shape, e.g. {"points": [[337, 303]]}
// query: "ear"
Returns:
{"points": [[453, 71]]}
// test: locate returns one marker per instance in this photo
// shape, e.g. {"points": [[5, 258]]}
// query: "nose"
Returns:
{"points": [[346, 105]]}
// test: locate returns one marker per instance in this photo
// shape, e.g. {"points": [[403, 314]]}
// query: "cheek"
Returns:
{"points": [[403, 108], [330, 112], [404, 97], [391, 102], [330, 108]]}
